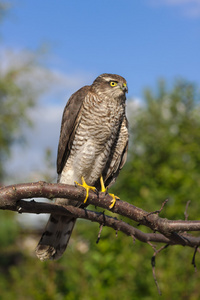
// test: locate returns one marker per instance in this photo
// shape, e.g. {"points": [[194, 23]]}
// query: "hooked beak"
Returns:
{"points": [[125, 88]]}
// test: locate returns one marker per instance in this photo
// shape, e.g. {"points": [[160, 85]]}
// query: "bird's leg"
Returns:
{"points": [[104, 190], [85, 186]]}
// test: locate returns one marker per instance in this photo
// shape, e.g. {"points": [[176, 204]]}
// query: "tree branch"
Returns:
{"points": [[170, 232]]}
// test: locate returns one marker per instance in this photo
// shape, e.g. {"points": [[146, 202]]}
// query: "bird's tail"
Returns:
{"points": [[55, 238]]}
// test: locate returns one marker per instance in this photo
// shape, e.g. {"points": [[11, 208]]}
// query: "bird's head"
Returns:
{"points": [[110, 85]]}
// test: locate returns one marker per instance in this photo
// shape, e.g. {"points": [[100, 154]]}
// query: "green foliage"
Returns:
{"points": [[164, 151], [8, 230], [14, 103], [163, 163], [116, 268]]}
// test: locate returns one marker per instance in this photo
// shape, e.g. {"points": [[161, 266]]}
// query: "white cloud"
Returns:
{"points": [[47, 114], [189, 8], [35, 73], [29, 160]]}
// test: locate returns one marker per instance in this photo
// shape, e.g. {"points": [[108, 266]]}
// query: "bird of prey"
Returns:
{"points": [[92, 149]]}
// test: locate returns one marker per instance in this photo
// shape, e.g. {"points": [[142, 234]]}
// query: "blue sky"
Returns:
{"points": [[141, 40]]}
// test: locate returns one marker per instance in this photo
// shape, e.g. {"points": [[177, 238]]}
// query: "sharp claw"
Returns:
{"points": [[112, 203], [113, 200], [105, 190]]}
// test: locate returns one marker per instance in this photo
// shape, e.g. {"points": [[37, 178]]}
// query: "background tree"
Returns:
{"points": [[163, 155], [22, 81], [163, 162]]}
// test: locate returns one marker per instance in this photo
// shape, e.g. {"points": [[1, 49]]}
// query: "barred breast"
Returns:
{"points": [[95, 135]]}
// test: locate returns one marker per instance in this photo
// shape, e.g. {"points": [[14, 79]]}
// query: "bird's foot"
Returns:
{"points": [[113, 200], [105, 190], [86, 187]]}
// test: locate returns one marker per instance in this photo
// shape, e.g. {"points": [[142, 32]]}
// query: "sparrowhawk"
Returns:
{"points": [[92, 150]]}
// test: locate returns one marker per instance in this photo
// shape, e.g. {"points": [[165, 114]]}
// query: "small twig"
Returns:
{"points": [[100, 229], [162, 248], [186, 209], [193, 259], [159, 210], [133, 237], [154, 247], [99, 234], [153, 263]]}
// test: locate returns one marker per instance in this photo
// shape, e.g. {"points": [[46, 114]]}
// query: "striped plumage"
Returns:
{"points": [[93, 142]]}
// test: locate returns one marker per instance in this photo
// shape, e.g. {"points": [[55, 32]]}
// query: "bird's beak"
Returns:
{"points": [[125, 88]]}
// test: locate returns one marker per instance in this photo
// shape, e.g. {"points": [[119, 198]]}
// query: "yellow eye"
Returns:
{"points": [[113, 83]]}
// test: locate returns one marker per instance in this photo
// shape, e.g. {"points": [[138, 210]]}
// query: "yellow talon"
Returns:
{"points": [[104, 189], [86, 187]]}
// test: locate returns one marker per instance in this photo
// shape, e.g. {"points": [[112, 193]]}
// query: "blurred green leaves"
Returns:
{"points": [[8, 230], [164, 150]]}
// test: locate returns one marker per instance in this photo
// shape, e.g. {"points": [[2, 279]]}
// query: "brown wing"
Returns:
{"points": [[118, 155], [70, 120]]}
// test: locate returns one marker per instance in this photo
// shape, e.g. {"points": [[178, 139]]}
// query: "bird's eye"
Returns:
{"points": [[113, 83]]}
